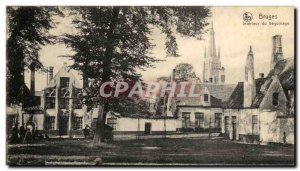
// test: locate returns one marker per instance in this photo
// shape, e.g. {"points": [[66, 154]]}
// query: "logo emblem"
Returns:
{"points": [[247, 17]]}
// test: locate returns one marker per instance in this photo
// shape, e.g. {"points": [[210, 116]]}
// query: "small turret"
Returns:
{"points": [[249, 84]]}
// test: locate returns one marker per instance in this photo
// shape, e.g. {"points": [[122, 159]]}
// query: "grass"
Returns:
{"points": [[158, 151]]}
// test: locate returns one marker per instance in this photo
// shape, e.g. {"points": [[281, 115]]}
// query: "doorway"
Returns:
{"points": [[147, 128], [63, 125], [233, 127]]}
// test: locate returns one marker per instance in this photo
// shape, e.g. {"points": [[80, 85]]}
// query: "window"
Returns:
{"points": [[50, 121], [37, 100], [77, 104], [199, 120], [211, 80], [226, 124], [77, 123], [223, 78], [112, 122], [218, 120], [94, 123], [275, 99], [50, 102], [64, 103], [185, 119], [206, 97], [254, 124], [64, 82]]}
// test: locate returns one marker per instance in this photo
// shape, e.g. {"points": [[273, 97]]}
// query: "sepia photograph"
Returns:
{"points": [[150, 86]]}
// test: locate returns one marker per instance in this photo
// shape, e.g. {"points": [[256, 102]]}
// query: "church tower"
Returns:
{"points": [[277, 53], [249, 83], [212, 70]]}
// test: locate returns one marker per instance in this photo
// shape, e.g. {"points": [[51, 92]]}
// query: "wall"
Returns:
{"points": [[134, 125], [243, 123], [209, 115], [273, 127]]}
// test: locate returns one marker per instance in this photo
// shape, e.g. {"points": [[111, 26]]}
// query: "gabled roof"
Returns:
{"points": [[195, 101], [220, 91], [262, 86], [285, 71], [236, 99], [64, 71]]}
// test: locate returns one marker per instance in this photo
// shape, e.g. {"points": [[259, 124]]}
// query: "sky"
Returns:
{"points": [[231, 36]]}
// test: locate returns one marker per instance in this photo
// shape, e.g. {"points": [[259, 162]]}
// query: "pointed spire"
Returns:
{"points": [[219, 53], [205, 52], [250, 51], [212, 44]]}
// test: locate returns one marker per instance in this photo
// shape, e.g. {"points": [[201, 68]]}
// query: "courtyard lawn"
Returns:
{"points": [[155, 151]]}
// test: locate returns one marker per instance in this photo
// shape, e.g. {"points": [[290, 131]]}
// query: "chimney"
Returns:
{"points": [[173, 75], [277, 53], [249, 83], [32, 78], [50, 70], [261, 75]]}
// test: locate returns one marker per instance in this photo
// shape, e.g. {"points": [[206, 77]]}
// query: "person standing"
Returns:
{"points": [[284, 138], [22, 133], [14, 136], [86, 132], [28, 137]]}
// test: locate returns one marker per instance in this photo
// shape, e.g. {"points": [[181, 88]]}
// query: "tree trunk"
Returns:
{"points": [[99, 126], [110, 46]]}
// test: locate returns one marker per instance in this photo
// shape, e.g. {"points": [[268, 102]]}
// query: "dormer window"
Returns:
{"points": [[275, 99], [206, 97], [64, 82]]}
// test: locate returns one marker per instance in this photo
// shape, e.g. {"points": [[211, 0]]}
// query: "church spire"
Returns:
{"points": [[205, 52], [219, 53], [212, 44]]}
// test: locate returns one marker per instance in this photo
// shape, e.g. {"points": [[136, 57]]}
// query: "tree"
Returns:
{"points": [[163, 78], [28, 30], [184, 71], [113, 42]]}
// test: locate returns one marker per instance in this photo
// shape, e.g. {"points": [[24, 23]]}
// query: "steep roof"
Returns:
{"points": [[285, 71], [64, 72], [195, 101], [236, 100], [262, 86], [220, 91]]}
